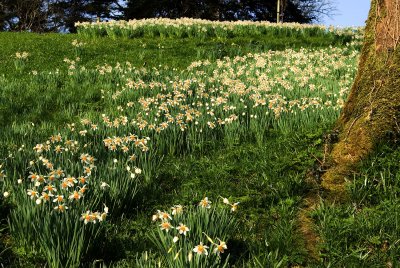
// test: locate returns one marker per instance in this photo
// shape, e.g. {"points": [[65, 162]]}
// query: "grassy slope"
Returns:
{"points": [[267, 180], [258, 177], [50, 49]]}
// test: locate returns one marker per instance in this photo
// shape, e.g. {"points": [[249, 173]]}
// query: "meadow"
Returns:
{"points": [[161, 144]]}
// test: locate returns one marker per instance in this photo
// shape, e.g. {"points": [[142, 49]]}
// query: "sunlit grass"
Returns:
{"points": [[123, 134]]}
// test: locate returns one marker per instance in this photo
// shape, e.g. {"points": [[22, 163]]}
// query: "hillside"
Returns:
{"points": [[160, 139]]}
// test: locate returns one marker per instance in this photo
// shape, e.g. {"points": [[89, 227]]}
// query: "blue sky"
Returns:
{"points": [[349, 13]]}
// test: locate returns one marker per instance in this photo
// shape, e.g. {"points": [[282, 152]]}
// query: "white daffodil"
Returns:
{"points": [[183, 229], [225, 200], [164, 215], [205, 203], [166, 226], [234, 206], [104, 185], [138, 170], [220, 248], [201, 249], [177, 209]]}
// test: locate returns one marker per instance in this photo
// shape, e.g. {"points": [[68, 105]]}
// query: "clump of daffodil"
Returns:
{"points": [[93, 217], [181, 235]]}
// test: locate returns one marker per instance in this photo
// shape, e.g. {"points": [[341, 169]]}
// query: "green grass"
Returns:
{"points": [[364, 230], [261, 160], [49, 50]]}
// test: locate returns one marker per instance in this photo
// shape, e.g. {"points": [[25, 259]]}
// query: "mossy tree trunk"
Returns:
{"points": [[372, 110]]}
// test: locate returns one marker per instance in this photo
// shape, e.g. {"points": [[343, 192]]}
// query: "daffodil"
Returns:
{"points": [[71, 181], [86, 217], [166, 226], [46, 196], [84, 158], [201, 249], [138, 170], [2, 175], [104, 185], [59, 173], [234, 206], [190, 256], [32, 193], [177, 209], [61, 208], [33, 176], [105, 209], [82, 179], [64, 184], [83, 189], [154, 217], [220, 248], [75, 195], [50, 188], [225, 200], [59, 198], [102, 216], [205, 203], [87, 171], [183, 229], [164, 215]]}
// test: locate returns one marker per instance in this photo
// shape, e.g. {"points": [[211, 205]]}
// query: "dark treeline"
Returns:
{"points": [[60, 15]]}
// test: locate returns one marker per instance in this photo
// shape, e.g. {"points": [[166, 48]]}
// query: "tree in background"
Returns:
{"points": [[21, 15], [61, 15], [303, 11], [64, 13], [54, 15]]}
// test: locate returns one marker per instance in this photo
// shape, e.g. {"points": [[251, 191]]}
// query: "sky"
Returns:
{"points": [[349, 13]]}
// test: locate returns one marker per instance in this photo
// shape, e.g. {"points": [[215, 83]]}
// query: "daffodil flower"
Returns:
{"points": [[154, 217], [234, 206], [177, 209], [46, 196], [183, 229], [75, 195], [164, 215], [225, 200], [2, 175], [138, 170], [104, 185], [86, 217], [165, 226], [201, 249], [220, 248], [205, 203], [32, 193], [59, 198], [61, 208], [50, 188]]}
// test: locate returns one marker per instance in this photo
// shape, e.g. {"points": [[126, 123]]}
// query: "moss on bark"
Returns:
{"points": [[372, 109]]}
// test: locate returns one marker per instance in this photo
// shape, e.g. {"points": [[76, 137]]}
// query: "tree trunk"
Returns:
{"points": [[372, 110]]}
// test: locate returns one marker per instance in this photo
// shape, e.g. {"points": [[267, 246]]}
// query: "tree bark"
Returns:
{"points": [[371, 113]]}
